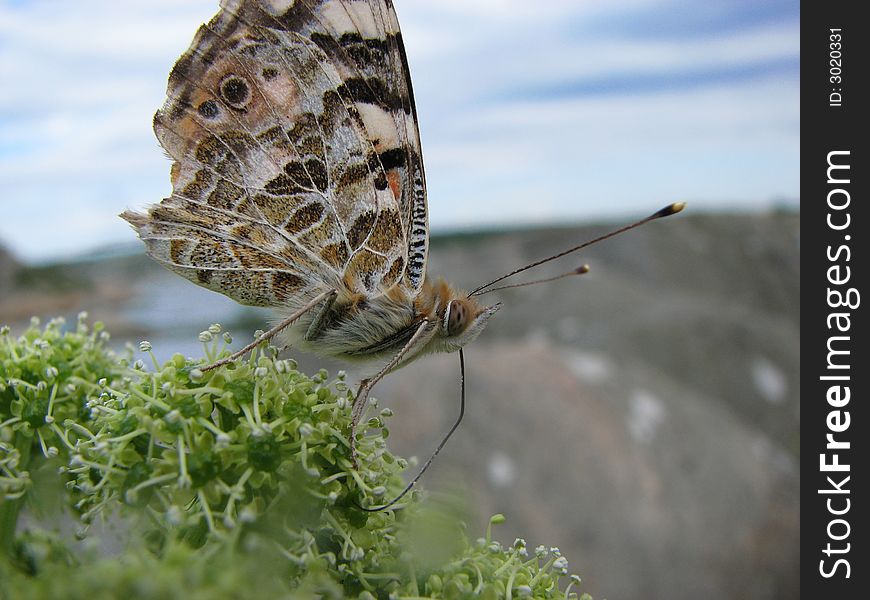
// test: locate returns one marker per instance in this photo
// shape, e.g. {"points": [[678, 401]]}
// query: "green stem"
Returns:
{"points": [[9, 509]]}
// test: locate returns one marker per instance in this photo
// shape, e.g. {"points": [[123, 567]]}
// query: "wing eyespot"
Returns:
{"points": [[235, 91], [208, 109]]}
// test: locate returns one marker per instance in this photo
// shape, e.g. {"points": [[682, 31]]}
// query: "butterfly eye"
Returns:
{"points": [[457, 316], [235, 91]]}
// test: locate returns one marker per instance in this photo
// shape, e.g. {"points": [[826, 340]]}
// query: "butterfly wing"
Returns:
{"points": [[297, 163]]}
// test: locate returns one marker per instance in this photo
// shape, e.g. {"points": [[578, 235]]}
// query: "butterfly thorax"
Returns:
{"points": [[356, 328]]}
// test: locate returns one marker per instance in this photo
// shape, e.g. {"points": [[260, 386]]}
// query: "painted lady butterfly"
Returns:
{"points": [[298, 183]]}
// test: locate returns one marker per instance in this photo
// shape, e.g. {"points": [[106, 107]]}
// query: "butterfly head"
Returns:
{"points": [[462, 321]]}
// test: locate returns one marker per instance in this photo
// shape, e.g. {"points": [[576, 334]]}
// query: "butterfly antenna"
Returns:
{"points": [[667, 211], [414, 481], [578, 271]]}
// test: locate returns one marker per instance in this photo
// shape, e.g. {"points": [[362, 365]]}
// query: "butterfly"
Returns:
{"points": [[298, 184]]}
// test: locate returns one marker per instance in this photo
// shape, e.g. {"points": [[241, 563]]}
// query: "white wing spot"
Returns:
{"points": [[380, 125], [278, 7], [348, 17]]}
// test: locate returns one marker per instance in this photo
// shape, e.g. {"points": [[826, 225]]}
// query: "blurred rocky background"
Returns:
{"points": [[643, 417]]}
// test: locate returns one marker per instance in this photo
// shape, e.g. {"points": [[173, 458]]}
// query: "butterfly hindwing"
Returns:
{"points": [[245, 261]]}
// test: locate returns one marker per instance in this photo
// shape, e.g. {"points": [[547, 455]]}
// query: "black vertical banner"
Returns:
{"points": [[834, 371]]}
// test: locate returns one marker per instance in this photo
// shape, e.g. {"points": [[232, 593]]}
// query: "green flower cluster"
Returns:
{"points": [[234, 482]]}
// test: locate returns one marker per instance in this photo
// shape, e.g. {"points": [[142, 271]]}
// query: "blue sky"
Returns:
{"points": [[531, 112]]}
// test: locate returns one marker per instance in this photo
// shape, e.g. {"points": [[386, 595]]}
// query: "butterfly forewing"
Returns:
{"points": [[297, 163]]}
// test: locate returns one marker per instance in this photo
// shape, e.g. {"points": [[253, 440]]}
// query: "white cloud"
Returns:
{"points": [[540, 48], [588, 157], [606, 59], [516, 11], [102, 29]]}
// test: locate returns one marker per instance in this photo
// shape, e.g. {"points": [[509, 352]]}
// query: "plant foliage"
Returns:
{"points": [[232, 483]]}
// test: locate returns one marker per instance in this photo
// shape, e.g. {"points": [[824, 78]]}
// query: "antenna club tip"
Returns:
{"points": [[582, 269], [670, 209]]}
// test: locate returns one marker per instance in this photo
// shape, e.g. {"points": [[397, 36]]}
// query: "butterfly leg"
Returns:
{"points": [[438, 448], [321, 319], [272, 332], [366, 385]]}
